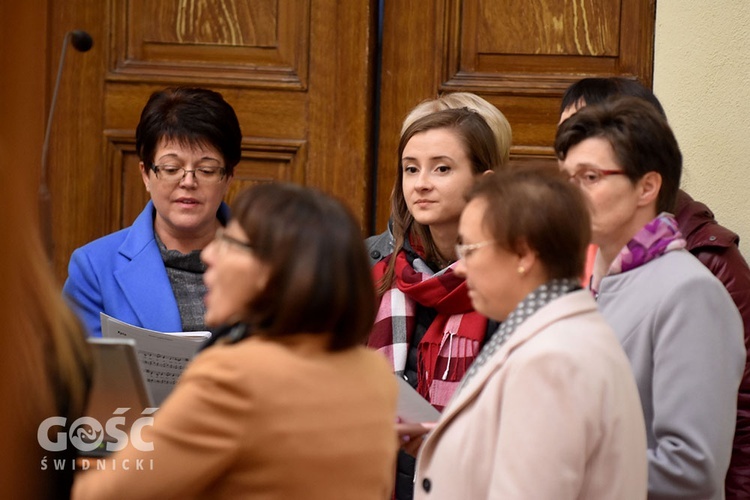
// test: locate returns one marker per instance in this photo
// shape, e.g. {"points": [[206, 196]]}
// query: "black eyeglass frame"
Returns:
{"points": [[222, 236], [155, 168]]}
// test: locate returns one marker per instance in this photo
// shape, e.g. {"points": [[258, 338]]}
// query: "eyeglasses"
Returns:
{"points": [[173, 173], [590, 176], [463, 251], [223, 241]]}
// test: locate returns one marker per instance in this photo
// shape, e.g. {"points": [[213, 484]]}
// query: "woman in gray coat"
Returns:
{"points": [[676, 321]]}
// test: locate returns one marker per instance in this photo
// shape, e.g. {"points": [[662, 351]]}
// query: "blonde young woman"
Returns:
{"points": [[425, 324], [382, 244]]}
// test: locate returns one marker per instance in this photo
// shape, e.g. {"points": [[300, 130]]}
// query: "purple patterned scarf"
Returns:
{"points": [[656, 238]]}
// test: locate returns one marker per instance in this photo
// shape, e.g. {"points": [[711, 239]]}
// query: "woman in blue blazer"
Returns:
{"points": [[150, 274]]}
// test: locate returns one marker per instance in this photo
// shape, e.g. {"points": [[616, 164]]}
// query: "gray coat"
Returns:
{"points": [[379, 246], [684, 338]]}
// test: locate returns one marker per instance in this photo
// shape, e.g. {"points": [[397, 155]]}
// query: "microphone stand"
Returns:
{"points": [[82, 42]]}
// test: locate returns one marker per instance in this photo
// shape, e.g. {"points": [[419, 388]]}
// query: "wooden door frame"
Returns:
{"points": [[23, 94]]}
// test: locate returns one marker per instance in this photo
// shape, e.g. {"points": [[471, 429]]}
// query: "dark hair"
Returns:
{"points": [[596, 90], [192, 116], [320, 277], [640, 138], [481, 149], [536, 205]]}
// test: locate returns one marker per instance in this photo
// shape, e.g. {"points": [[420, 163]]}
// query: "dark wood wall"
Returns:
{"points": [[520, 55], [302, 76], [23, 84]]}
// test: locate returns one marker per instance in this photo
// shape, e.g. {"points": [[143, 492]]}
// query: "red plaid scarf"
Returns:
{"points": [[453, 339]]}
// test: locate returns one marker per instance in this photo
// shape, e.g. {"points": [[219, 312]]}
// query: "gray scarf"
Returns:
{"points": [[534, 301], [185, 273]]}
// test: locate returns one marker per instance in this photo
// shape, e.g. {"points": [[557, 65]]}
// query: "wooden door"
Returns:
{"points": [[520, 55], [298, 73]]}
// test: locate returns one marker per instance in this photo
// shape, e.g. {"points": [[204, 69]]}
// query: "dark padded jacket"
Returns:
{"points": [[379, 246], [717, 248]]}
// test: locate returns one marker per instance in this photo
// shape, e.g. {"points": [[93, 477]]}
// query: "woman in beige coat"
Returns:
{"points": [[287, 403], [550, 408]]}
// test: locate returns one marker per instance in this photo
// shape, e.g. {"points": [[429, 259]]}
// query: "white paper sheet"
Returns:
{"points": [[162, 355], [412, 407]]}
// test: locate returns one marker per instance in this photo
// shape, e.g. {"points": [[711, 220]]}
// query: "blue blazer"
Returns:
{"points": [[123, 275]]}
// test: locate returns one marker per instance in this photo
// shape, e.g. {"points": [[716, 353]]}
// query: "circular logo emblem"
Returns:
{"points": [[86, 434]]}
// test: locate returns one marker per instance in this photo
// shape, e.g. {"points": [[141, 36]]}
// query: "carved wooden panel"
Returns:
{"points": [[297, 72], [520, 55], [129, 193], [301, 72], [268, 161], [261, 43], [583, 27], [545, 45]]}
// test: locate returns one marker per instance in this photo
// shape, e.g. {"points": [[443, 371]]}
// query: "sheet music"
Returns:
{"points": [[412, 407], [161, 355]]}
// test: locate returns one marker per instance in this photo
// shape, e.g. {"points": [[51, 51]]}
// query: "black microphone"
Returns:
{"points": [[82, 42]]}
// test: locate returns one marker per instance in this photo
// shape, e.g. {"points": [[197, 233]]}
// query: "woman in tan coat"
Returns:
{"points": [[286, 403], [549, 409]]}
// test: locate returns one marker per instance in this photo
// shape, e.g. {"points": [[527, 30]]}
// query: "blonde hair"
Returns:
{"points": [[493, 116]]}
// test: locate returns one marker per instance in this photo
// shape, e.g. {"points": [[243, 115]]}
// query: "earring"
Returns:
{"points": [[521, 269]]}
